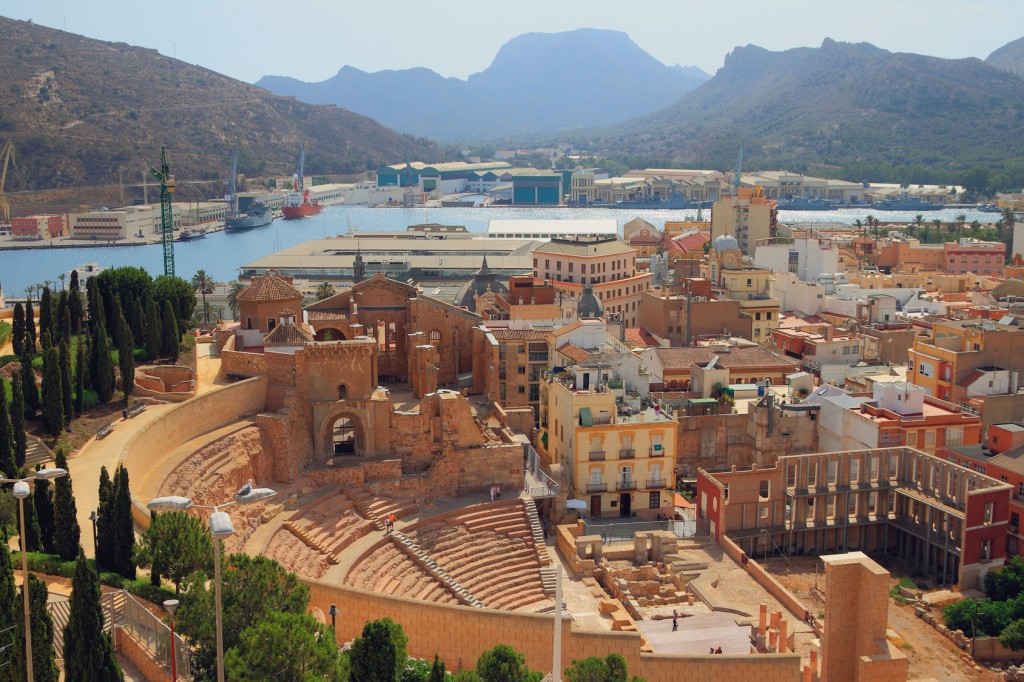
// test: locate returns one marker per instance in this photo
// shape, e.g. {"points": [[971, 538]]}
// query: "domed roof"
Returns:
{"points": [[483, 281], [725, 242]]}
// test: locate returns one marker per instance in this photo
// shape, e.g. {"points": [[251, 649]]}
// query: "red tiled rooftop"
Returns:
{"points": [[269, 287], [638, 336]]}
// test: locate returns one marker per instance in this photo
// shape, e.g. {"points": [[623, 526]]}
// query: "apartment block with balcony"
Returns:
{"points": [[948, 521], [522, 357], [616, 453], [750, 217]]}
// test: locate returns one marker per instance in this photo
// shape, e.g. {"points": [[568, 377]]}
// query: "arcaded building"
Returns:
{"points": [[945, 519]]}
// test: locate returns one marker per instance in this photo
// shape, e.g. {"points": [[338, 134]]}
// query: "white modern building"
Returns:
{"points": [[606, 228]]}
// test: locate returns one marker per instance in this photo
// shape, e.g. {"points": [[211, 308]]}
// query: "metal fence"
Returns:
{"points": [[154, 635], [617, 531], [536, 483]]}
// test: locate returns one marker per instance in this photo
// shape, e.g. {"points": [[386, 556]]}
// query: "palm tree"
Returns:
{"points": [[1009, 218], [236, 288], [961, 220], [203, 284], [62, 276], [324, 290], [919, 221], [29, 290], [937, 223], [975, 226]]}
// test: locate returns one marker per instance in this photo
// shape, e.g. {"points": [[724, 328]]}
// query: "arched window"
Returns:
{"points": [[435, 338], [392, 337], [342, 391], [381, 335], [344, 437]]}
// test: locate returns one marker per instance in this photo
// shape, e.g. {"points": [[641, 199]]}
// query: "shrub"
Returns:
{"points": [[143, 589], [5, 332]]}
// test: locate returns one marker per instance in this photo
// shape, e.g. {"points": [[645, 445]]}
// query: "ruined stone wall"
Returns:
{"points": [[459, 634], [479, 467], [793, 432], [320, 370], [238, 363], [712, 442], [456, 329]]}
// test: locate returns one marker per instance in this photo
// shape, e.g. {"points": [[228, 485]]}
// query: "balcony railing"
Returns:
{"points": [[597, 455], [655, 482], [538, 357], [656, 453], [625, 485], [627, 453], [597, 487]]}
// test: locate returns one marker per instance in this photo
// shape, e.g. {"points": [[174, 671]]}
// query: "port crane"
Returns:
{"points": [[166, 180], [6, 157]]}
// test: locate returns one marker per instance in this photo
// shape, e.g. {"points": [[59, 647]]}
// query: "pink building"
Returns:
{"points": [[39, 227], [971, 255]]}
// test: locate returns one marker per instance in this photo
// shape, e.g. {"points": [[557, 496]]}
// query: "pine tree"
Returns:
{"points": [[18, 330], [53, 398], [29, 389], [30, 329], [44, 658], [66, 532], [88, 651], [66, 381], [18, 421], [46, 313], [153, 333], [8, 463], [126, 358], [10, 616], [103, 365], [171, 337], [75, 301], [42, 500], [104, 535], [80, 376], [122, 525]]}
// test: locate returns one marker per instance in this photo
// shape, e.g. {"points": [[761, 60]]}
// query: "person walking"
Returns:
{"points": [[493, 487], [391, 522], [675, 620]]}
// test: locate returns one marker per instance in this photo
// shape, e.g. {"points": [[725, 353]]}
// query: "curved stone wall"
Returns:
{"points": [[189, 420]]}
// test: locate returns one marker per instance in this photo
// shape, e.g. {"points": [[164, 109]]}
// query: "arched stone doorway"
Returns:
{"points": [[330, 334], [343, 435]]}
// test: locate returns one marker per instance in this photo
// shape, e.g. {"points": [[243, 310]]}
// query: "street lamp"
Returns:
{"points": [[334, 618], [95, 544], [220, 528], [171, 605], [21, 491]]}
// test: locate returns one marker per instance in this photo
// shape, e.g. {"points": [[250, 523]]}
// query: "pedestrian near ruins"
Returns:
{"points": [[391, 522], [675, 620], [493, 488]]}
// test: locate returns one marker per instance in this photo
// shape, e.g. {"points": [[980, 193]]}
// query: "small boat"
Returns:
{"points": [[257, 215], [188, 235], [905, 203], [989, 208], [298, 203]]}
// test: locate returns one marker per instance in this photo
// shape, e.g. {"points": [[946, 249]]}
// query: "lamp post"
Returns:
{"points": [[334, 619], [220, 528], [171, 605], [95, 543], [21, 491]]}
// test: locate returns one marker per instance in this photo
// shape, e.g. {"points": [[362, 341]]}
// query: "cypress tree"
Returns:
{"points": [[30, 329], [8, 464], [75, 301], [29, 389], [137, 320], [80, 376], [44, 658], [46, 313], [10, 616], [122, 525], [88, 651], [103, 365], [118, 321], [66, 533], [153, 333], [65, 320], [42, 500], [53, 399], [104, 536], [126, 359], [45, 340], [171, 336], [18, 330], [18, 421], [32, 532], [66, 382]]}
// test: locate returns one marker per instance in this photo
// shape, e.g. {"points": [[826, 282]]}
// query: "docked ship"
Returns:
{"points": [[805, 204], [673, 201], [188, 235], [298, 203], [905, 203], [257, 215]]}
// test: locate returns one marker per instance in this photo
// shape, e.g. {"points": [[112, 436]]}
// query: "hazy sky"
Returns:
{"points": [[311, 40]]}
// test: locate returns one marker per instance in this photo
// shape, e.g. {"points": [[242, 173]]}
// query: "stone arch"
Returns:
{"points": [[343, 434], [330, 334]]}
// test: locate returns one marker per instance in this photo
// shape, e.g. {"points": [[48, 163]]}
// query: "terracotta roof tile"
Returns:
{"points": [[638, 336], [751, 356], [287, 334], [269, 287], [520, 335], [574, 352]]}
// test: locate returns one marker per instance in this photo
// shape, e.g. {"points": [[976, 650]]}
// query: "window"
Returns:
{"points": [[851, 505], [986, 550], [929, 438], [655, 502], [854, 471], [830, 507], [833, 468], [725, 492], [763, 489], [892, 465], [1020, 489], [954, 436], [520, 389], [435, 338], [873, 471], [872, 502], [990, 509], [812, 474], [271, 323], [248, 323], [911, 439], [791, 475]]}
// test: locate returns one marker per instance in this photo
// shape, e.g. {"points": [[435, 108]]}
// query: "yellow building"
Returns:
{"points": [[733, 279], [749, 217], [619, 459]]}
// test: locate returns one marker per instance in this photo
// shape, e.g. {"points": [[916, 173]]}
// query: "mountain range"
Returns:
{"points": [[1009, 57], [838, 105], [78, 109], [537, 83]]}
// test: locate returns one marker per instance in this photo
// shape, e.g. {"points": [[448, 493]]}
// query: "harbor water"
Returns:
{"points": [[221, 254]]}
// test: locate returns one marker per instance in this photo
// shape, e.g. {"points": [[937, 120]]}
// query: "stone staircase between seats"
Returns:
{"points": [[376, 509]]}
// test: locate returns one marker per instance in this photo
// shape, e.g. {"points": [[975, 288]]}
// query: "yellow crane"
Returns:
{"points": [[6, 156]]}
